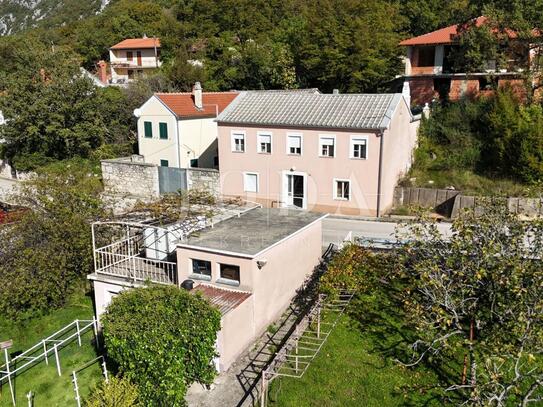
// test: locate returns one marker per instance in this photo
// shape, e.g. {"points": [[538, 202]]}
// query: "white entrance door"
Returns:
{"points": [[294, 194]]}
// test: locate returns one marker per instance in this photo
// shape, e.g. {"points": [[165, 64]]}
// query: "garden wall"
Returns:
{"points": [[449, 203]]}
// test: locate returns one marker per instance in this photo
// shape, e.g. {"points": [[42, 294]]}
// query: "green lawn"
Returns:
{"points": [[352, 370], [50, 389]]}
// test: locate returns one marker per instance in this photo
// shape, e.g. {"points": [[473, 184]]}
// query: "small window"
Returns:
{"points": [[216, 161], [327, 146], [250, 182], [238, 142], [426, 56], [264, 143], [201, 268], [163, 130], [229, 272], [294, 144], [164, 163], [129, 56], [342, 189], [194, 163], [148, 129], [359, 147]]}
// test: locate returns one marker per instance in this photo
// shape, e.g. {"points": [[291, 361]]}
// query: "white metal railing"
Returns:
{"points": [[122, 259], [141, 269], [117, 252], [42, 350]]}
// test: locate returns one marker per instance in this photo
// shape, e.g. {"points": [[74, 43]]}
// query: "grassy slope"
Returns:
{"points": [[42, 379], [351, 371]]}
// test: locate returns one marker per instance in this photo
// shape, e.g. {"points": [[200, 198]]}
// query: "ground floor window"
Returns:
{"points": [[229, 272], [201, 268], [164, 163], [250, 182], [342, 189]]}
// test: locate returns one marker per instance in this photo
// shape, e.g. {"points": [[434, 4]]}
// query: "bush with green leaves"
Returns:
{"points": [[496, 136], [119, 392], [162, 339]]}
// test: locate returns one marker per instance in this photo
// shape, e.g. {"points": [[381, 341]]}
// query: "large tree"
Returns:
{"points": [[475, 300], [47, 254]]}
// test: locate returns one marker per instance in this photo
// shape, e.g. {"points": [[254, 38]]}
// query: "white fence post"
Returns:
{"points": [[57, 359], [9, 376], [76, 389], [95, 329], [104, 370], [78, 332], [264, 389], [45, 352], [30, 398]]}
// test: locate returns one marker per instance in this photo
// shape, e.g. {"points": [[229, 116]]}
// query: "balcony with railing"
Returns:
{"points": [[126, 259]]}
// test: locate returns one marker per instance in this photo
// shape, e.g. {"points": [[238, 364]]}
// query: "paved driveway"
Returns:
{"points": [[336, 229]]}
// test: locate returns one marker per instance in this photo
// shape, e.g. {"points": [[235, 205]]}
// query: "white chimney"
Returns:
{"points": [[335, 91], [197, 94]]}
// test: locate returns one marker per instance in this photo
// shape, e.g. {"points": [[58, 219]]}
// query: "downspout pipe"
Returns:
{"points": [[379, 176], [177, 141]]}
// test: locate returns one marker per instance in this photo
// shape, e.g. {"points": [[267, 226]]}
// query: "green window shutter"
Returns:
{"points": [[148, 129], [164, 163], [163, 127]]}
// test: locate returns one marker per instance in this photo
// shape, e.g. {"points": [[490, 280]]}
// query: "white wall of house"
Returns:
{"points": [[155, 149], [187, 139], [149, 61]]}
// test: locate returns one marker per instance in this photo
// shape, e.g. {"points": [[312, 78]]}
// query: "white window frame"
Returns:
{"points": [[233, 137], [264, 133], [351, 147], [332, 136], [301, 136], [245, 181], [334, 189]]}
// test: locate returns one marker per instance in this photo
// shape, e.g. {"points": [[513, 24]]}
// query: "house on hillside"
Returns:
{"points": [[179, 129], [131, 58], [249, 266], [430, 73], [335, 153]]}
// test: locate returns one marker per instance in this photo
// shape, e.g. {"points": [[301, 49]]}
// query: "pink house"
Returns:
{"points": [[335, 153]]}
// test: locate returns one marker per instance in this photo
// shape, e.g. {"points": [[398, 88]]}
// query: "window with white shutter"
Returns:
{"points": [[238, 142], [264, 143], [250, 182], [359, 147], [327, 146], [294, 144]]}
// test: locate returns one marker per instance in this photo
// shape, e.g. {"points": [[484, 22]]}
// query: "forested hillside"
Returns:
{"points": [[350, 45], [17, 15]]}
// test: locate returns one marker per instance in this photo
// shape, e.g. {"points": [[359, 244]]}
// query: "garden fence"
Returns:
{"points": [[44, 349]]}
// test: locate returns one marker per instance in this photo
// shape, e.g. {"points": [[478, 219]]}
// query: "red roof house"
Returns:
{"points": [[430, 72]]}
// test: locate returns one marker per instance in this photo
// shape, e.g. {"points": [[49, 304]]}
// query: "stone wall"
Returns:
{"points": [[204, 178], [130, 176]]}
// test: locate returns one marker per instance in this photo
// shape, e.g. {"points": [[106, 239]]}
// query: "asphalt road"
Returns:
{"points": [[336, 229]]}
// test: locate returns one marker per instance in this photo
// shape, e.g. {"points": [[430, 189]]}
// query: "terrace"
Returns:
{"points": [[140, 247]]}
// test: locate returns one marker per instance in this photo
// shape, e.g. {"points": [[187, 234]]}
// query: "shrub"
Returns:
{"points": [[163, 339], [119, 392]]}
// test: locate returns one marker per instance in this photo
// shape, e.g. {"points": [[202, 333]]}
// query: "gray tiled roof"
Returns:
{"points": [[303, 109]]}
